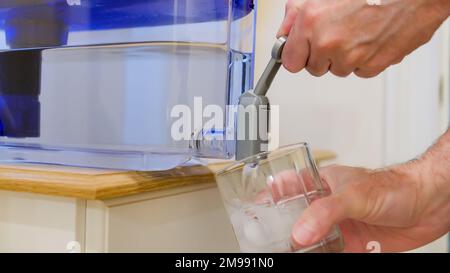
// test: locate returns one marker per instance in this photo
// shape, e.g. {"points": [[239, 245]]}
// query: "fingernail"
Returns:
{"points": [[303, 234]]}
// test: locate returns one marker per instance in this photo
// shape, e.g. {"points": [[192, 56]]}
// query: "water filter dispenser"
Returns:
{"points": [[95, 82]]}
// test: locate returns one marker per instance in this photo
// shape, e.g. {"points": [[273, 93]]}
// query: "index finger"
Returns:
{"points": [[297, 49]]}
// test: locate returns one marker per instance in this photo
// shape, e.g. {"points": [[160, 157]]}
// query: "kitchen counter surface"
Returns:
{"points": [[94, 184]]}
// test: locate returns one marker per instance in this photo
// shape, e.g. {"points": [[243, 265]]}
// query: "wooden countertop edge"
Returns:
{"points": [[109, 184], [100, 186]]}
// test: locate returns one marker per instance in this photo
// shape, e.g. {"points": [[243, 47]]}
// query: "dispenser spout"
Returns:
{"points": [[252, 126]]}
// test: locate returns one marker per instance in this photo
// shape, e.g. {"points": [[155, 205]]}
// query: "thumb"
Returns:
{"points": [[318, 219]]}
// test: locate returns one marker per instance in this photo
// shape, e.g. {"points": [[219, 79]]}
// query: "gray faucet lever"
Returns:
{"points": [[252, 132], [272, 68]]}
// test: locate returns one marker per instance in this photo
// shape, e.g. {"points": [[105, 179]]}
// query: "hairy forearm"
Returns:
{"points": [[433, 172], [430, 176], [431, 169], [436, 162]]}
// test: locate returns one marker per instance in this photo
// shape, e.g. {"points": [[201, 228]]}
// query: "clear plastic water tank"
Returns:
{"points": [[94, 82]]}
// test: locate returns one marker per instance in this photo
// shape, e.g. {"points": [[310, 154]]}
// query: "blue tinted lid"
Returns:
{"points": [[110, 14]]}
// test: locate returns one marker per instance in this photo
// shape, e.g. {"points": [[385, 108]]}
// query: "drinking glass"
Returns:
{"points": [[266, 194]]}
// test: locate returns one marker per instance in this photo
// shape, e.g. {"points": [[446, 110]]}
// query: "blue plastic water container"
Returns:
{"points": [[95, 82]]}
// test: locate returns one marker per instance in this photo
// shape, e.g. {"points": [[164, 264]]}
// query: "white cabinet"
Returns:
{"points": [[39, 223], [191, 219]]}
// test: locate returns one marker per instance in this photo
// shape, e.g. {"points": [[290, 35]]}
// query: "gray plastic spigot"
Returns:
{"points": [[252, 126]]}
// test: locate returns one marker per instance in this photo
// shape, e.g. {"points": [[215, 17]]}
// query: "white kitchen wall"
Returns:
{"points": [[413, 102]]}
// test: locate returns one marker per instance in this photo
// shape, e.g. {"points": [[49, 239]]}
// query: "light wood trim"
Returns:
{"points": [[100, 184]]}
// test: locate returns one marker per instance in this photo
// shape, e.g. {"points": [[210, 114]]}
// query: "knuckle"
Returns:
{"points": [[398, 60], [327, 43], [371, 69], [310, 14], [292, 4], [340, 74], [315, 71], [293, 7], [365, 74], [395, 57], [340, 70], [353, 58], [376, 64], [291, 66]]}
